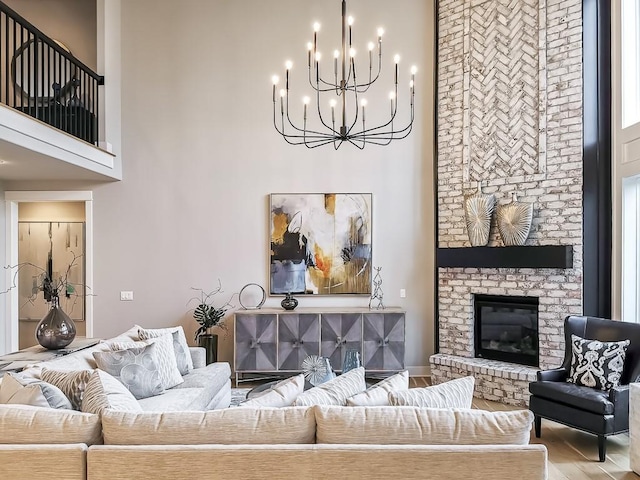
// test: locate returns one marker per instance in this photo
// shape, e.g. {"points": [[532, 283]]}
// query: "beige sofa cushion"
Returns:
{"points": [[421, 426], [291, 425], [16, 389], [336, 391], [22, 424], [282, 394], [456, 393], [378, 394]]}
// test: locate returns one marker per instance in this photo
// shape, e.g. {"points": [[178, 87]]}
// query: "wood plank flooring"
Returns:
{"points": [[573, 455]]}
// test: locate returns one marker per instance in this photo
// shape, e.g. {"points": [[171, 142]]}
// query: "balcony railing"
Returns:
{"points": [[42, 78]]}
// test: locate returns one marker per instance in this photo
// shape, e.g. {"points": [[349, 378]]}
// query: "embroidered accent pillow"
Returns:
{"points": [[456, 393], [71, 383], [180, 346], [17, 389], [103, 391], [136, 368], [378, 394], [336, 391], [165, 358], [596, 364]]}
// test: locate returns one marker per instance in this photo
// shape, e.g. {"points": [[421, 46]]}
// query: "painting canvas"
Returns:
{"points": [[320, 244]]}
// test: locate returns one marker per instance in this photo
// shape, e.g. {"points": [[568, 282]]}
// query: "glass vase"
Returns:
{"points": [[351, 360], [56, 330]]}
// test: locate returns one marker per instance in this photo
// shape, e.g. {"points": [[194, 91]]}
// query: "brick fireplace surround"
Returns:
{"points": [[509, 116]]}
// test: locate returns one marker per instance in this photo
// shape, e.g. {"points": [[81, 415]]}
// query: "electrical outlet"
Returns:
{"points": [[403, 293], [126, 296]]}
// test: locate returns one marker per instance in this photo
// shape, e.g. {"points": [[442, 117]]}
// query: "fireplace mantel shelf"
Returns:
{"points": [[539, 256]]}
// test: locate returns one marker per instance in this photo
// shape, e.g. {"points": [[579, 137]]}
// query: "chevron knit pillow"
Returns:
{"points": [[456, 393], [336, 391]]}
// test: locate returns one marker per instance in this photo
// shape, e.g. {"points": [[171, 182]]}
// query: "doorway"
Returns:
{"points": [[64, 218]]}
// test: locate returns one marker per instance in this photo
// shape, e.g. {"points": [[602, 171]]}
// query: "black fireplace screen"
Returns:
{"points": [[506, 328]]}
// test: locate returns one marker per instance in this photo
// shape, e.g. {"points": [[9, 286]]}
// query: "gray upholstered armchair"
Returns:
{"points": [[596, 411]]}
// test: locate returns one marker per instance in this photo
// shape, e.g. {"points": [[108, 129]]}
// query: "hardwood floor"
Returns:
{"points": [[573, 455]]}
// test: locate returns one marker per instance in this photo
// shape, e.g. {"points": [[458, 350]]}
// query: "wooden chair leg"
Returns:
{"points": [[602, 447], [537, 423]]}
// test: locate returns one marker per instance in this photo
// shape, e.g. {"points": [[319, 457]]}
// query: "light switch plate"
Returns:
{"points": [[126, 296]]}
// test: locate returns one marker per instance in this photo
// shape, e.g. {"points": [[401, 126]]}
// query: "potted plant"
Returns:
{"points": [[209, 316]]}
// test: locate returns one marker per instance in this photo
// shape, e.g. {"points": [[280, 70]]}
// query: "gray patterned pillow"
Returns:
{"points": [[136, 368], [165, 358], [597, 364], [180, 346], [17, 389], [71, 383], [104, 391]]}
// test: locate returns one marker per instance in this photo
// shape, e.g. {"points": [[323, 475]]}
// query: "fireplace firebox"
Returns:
{"points": [[506, 328]]}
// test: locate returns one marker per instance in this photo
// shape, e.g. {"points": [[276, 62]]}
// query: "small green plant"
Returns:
{"points": [[206, 313]]}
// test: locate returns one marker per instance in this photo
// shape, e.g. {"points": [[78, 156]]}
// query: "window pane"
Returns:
{"points": [[630, 62], [630, 249]]}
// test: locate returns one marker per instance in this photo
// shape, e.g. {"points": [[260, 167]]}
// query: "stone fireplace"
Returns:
{"points": [[510, 117]]}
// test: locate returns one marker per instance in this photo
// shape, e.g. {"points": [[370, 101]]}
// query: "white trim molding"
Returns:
{"points": [[12, 199]]}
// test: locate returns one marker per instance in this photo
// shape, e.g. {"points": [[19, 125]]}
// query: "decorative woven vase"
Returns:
{"points": [[56, 330], [514, 221], [478, 209]]}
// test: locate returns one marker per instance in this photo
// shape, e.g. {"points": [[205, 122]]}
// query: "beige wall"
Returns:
{"points": [[200, 158], [72, 22]]}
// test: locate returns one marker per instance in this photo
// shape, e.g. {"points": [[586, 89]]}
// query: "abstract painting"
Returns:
{"points": [[320, 244]]}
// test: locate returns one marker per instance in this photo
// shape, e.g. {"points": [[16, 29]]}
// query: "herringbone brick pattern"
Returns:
{"points": [[503, 88]]}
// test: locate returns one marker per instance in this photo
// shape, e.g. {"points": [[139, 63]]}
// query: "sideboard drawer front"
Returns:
{"points": [[383, 338], [298, 337], [256, 342], [340, 332]]}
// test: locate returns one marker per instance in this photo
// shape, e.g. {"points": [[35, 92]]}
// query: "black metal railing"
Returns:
{"points": [[41, 78]]}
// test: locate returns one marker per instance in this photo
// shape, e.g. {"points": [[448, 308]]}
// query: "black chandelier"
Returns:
{"points": [[356, 131]]}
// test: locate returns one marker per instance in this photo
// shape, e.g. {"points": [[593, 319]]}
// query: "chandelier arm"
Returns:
{"points": [[353, 142], [332, 130], [355, 118], [304, 131]]}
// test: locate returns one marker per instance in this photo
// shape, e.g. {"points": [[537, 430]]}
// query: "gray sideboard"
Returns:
{"points": [[275, 341]]}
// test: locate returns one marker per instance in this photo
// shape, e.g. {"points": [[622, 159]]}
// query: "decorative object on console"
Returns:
{"points": [[326, 133], [317, 370], [514, 221], [258, 305], [320, 244], [478, 209], [289, 303], [351, 360], [209, 316], [377, 290]]}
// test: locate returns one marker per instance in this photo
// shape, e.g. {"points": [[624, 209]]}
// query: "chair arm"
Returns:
{"points": [[619, 396], [555, 375], [199, 357]]}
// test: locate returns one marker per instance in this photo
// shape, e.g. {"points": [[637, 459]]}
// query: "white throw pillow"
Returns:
{"points": [[16, 389], [103, 391], [378, 394], [282, 394], [166, 358], [336, 391], [72, 384], [181, 347], [456, 393]]}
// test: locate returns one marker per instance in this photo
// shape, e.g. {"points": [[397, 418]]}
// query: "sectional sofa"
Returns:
{"points": [[178, 435]]}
